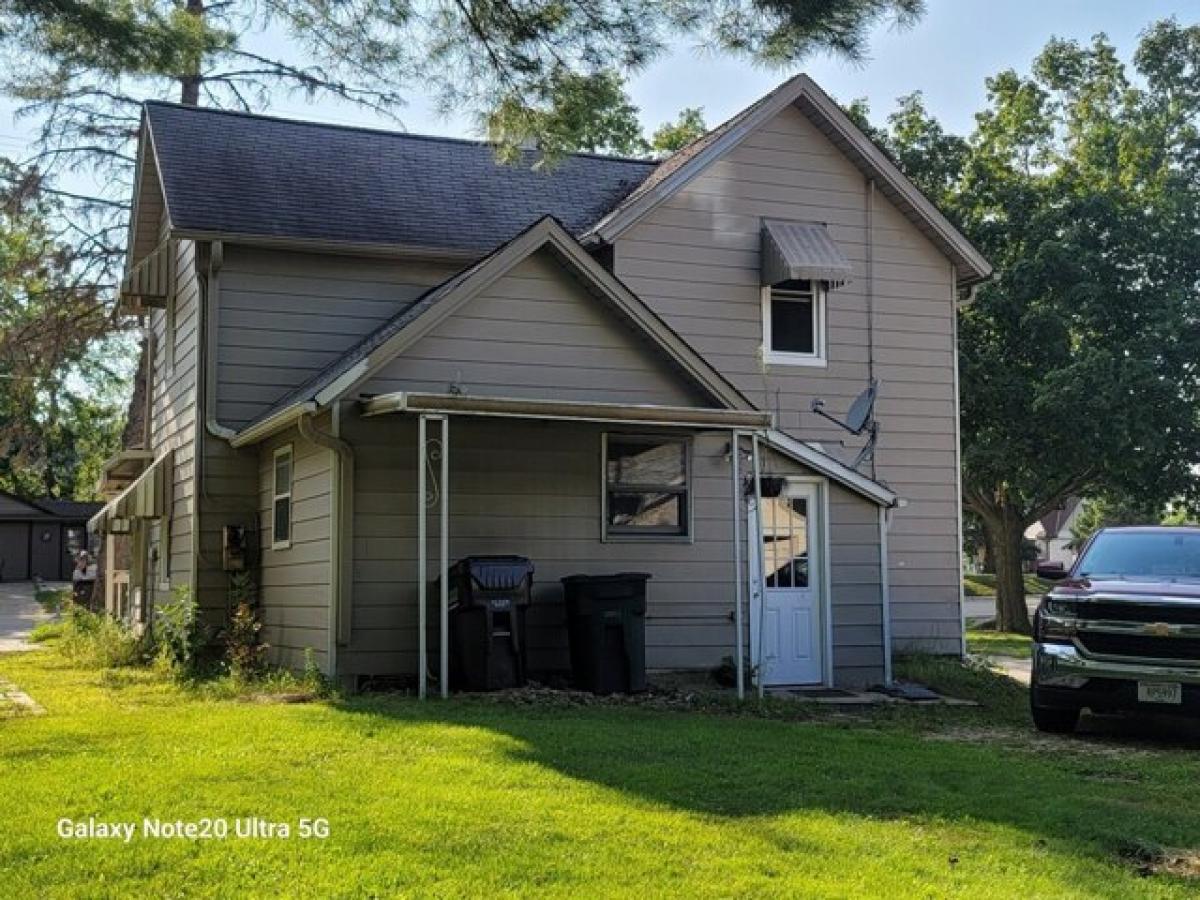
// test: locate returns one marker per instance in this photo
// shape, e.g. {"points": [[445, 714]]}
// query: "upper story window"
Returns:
{"points": [[794, 323], [647, 483], [281, 501]]}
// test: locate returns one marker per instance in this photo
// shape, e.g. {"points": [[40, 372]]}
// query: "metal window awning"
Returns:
{"points": [[149, 283], [144, 499], [801, 251], [122, 470]]}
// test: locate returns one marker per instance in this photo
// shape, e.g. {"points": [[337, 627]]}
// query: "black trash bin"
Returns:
{"points": [[488, 599], [606, 627]]}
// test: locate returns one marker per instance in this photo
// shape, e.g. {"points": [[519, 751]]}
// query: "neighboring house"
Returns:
{"points": [[40, 538], [1052, 533], [581, 348]]}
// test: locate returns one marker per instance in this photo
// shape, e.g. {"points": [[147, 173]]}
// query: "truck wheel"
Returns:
{"points": [[1055, 721]]}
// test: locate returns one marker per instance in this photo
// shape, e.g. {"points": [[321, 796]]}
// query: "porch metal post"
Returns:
{"points": [[758, 550], [735, 453], [444, 557], [422, 573]]}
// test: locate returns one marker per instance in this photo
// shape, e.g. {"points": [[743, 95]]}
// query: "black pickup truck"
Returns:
{"points": [[1121, 630]]}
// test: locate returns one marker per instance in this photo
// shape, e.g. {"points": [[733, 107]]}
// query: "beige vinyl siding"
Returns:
{"points": [[695, 260], [296, 583], [534, 489], [537, 332], [284, 316]]}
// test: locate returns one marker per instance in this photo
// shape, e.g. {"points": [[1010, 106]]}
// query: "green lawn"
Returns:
{"points": [[984, 585], [490, 799], [999, 643]]}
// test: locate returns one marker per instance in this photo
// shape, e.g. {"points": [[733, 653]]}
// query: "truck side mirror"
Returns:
{"points": [[1051, 571]]}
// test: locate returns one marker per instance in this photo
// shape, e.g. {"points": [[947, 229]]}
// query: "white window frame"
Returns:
{"points": [[277, 495], [654, 537], [818, 357]]}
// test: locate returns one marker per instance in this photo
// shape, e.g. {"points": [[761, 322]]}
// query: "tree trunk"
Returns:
{"points": [[1011, 612], [989, 553], [189, 94]]}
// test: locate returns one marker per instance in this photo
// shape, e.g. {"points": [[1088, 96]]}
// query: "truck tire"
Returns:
{"points": [[1055, 721]]}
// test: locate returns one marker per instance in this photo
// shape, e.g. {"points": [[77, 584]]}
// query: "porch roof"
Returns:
{"points": [[565, 410]]}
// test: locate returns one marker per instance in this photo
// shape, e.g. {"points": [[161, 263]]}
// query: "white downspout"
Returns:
{"points": [[738, 662], [885, 595], [216, 260]]}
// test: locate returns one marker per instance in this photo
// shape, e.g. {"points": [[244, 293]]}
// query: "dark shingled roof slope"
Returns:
{"points": [[243, 174], [69, 509]]}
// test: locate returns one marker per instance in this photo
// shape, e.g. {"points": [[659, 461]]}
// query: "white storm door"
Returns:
{"points": [[786, 624]]}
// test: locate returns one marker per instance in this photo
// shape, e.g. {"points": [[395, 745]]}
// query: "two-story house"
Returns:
{"points": [[375, 353]]}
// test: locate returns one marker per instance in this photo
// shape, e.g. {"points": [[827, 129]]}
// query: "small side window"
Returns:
{"points": [[794, 323], [281, 507], [646, 487]]}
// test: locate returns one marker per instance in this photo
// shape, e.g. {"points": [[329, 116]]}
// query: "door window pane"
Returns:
{"points": [[785, 542]]}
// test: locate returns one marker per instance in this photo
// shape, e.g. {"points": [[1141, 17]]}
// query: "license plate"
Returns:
{"points": [[1160, 692]]}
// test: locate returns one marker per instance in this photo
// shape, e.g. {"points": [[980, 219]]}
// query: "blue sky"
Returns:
{"points": [[947, 55]]}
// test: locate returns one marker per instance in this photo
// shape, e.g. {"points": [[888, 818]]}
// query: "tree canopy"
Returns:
{"points": [[1081, 183]]}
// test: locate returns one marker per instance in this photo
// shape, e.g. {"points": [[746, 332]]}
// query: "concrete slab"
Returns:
{"points": [[19, 614]]}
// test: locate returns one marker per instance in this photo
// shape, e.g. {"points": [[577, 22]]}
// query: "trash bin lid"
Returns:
{"points": [[497, 573]]}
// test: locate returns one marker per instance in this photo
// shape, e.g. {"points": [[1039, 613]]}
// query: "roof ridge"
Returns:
{"points": [[371, 129]]}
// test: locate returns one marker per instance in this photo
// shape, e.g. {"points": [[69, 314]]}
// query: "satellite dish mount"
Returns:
{"points": [[860, 419]]}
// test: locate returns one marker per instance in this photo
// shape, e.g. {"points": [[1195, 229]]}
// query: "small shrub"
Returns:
{"points": [[52, 601], [179, 632], [313, 677], [47, 631], [244, 652], [97, 641]]}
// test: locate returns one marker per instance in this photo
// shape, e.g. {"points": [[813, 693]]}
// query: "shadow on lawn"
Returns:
{"points": [[737, 766]]}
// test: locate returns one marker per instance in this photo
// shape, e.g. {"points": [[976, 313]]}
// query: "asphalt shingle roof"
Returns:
{"points": [[69, 509], [254, 175]]}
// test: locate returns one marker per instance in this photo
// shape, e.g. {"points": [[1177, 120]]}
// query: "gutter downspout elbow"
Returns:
{"points": [[341, 529], [212, 295]]}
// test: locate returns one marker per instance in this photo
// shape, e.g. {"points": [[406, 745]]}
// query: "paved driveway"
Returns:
{"points": [[976, 608], [19, 613]]}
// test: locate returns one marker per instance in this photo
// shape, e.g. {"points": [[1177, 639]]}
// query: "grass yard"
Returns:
{"points": [[982, 584], [477, 797], [999, 643]]}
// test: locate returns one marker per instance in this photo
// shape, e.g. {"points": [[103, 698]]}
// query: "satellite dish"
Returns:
{"points": [[859, 416], [861, 409]]}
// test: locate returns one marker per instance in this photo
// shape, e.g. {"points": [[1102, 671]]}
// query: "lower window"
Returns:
{"points": [[646, 486]]}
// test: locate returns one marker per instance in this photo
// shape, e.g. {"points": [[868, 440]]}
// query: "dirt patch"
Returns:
{"points": [[1018, 739], [1149, 860], [15, 702]]}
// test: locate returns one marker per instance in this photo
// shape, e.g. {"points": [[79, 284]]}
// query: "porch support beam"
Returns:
{"points": [[758, 550], [441, 453], [564, 410], [735, 452], [422, 564], [444, 559]]}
